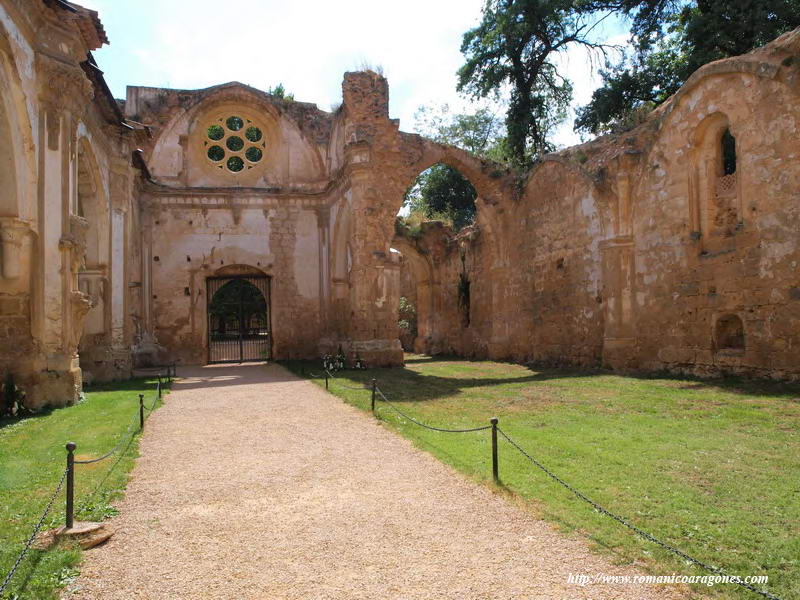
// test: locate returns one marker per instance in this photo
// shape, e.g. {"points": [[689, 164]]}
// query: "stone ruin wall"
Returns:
{"points": [[66, 213], [633, 251], [202, 221]]}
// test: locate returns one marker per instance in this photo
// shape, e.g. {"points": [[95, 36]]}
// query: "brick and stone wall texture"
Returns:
{"points": [[637, 251]]}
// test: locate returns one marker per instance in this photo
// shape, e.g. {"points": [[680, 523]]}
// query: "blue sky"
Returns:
{"points": [[307, 46]]}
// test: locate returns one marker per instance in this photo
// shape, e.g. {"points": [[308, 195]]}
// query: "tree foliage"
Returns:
{"points": [[679, 39], [480, 132], [515, 46], [441, 192]]}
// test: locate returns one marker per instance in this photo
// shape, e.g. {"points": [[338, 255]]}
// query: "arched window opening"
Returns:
{"points": [[238, 318], [415, 308], [407, 322], [716, 203], [439, 193], [729, 333], [88, 207], [728, 153], [8, 199]]}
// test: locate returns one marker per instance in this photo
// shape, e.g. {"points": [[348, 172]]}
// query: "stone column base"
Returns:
{"points": [[373, 353], [104, 363], [58, 384]]}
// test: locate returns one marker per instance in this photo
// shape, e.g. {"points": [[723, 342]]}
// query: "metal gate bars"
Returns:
{"points": [[238, 319]]}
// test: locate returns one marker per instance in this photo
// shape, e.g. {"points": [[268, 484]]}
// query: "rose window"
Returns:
{"points": [[234, 143]]}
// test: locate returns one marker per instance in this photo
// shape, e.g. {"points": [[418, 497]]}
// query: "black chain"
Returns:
{"points": [[349, 387], [91, 495], [115, 448], [126, 438], [431, 427], [36, 529], [634, 528], [155, 401]]}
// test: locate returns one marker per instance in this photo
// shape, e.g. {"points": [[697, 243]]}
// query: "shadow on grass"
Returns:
{"points": [[407, 385], [8, 421], [127, 385], [135, 384], [34, 559]]}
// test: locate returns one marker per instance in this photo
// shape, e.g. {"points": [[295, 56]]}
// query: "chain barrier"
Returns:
{"points": [[649, 537], [126, 439], [88, 498], [431, 427], [153, 406], [131, 430], [349, 387], [33, 535]]}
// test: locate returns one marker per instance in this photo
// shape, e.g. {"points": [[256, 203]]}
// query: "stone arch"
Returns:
{"points": [[238, 314], [715, 201], [91, 203], [168, 149], [421, 270], [239, 270], [578, 174], [9, 203], [91, 207], [341, 256], [17, 160], [17, 171], [340, 261], [740, 65], [729, 333], [489, 186]]}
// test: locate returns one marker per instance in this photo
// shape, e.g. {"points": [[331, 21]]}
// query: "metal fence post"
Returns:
{"points": [[326, 380], [70, 483], [374, 388], [141, 411], [495, 473]]}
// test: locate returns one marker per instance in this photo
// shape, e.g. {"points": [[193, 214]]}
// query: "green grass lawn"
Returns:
{"points": [[32, 460], [712, 467]]}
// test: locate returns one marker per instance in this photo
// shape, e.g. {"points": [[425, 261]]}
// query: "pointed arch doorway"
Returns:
{"points": [[239, 324]]}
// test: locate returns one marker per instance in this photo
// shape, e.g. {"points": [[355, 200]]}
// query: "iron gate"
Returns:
{"points": [[238, 319]]}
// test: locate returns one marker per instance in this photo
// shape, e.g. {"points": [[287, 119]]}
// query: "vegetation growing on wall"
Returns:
{"points": [[407, 317], [280, 92]]}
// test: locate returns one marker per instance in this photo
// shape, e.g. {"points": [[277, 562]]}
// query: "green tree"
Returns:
{"points": [[515, 45], [441, 192], [675, 43], [480, 132]]}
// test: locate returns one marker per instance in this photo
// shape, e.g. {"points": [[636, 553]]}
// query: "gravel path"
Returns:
{"points": [[255, 484]]}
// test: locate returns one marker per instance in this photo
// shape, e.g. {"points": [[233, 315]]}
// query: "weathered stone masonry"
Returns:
{"points": [[673, 246], [640, 251]]}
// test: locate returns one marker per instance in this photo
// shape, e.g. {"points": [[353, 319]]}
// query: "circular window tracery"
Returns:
{"points": [[227, 149]]}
